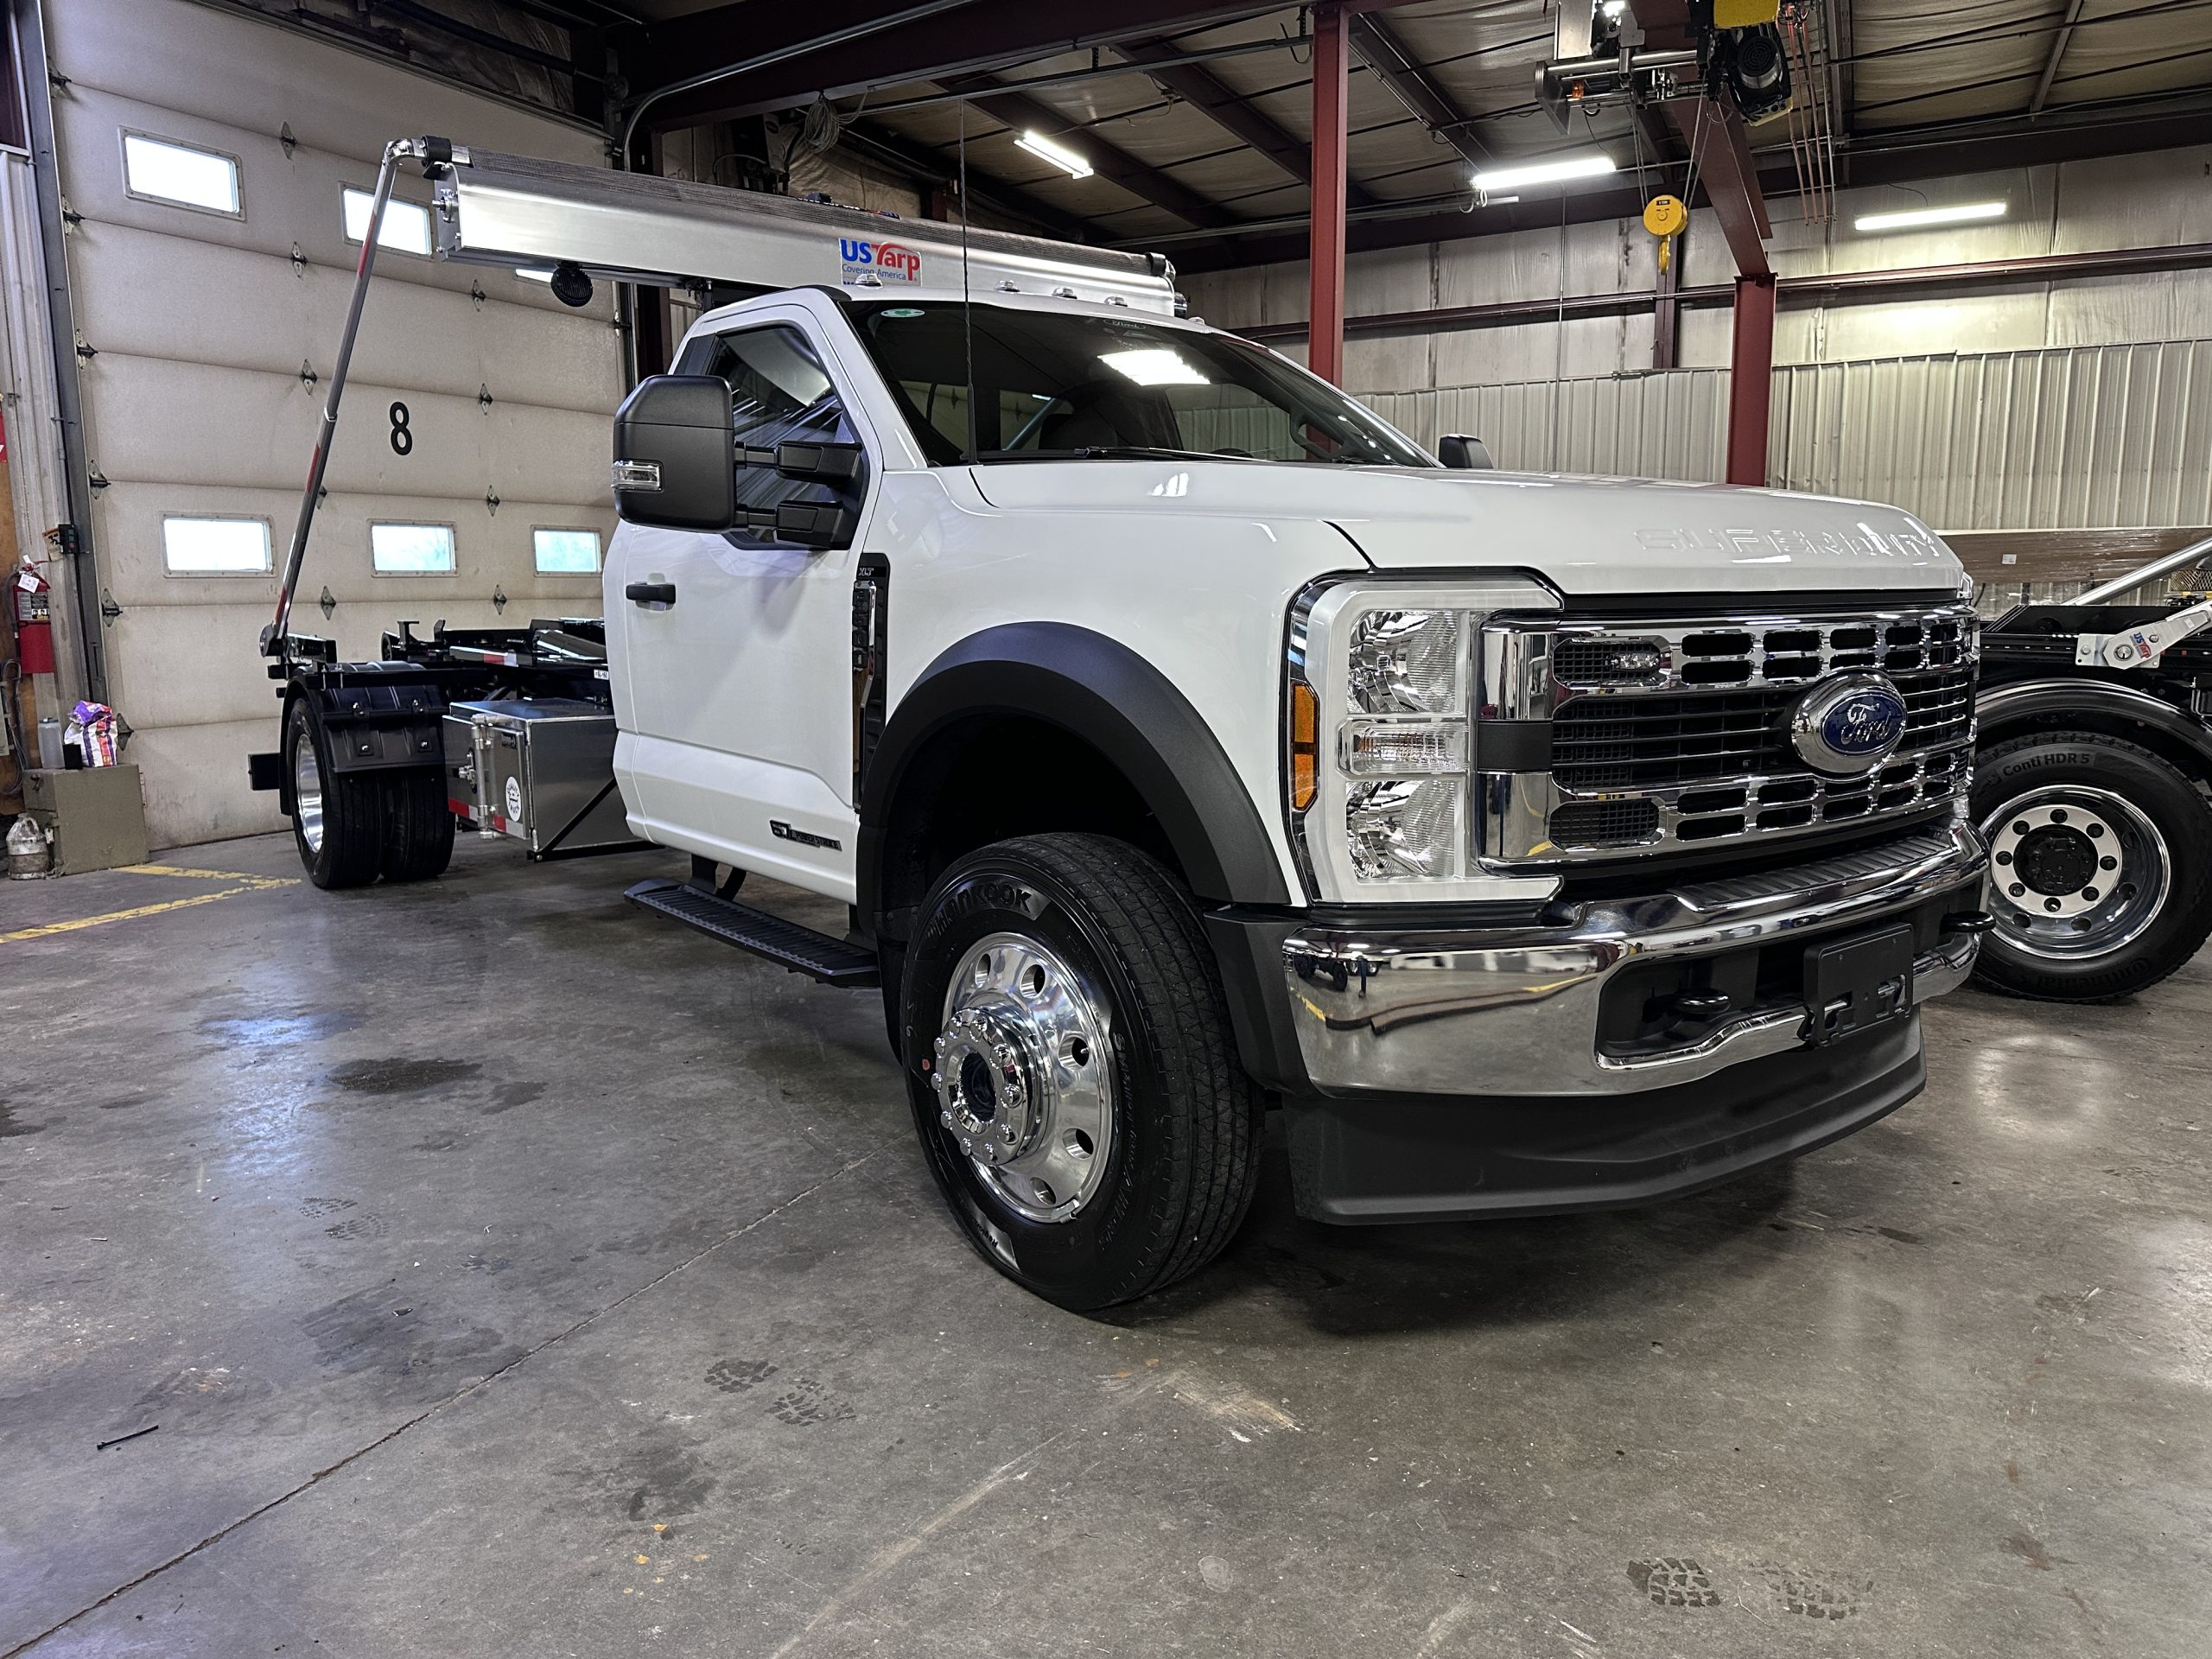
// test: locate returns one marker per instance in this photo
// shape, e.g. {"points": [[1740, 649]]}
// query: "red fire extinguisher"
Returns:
{"points": [[34, 612]]}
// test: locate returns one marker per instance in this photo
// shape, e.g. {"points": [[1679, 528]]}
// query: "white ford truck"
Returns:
{"points": [[1186, 741]]}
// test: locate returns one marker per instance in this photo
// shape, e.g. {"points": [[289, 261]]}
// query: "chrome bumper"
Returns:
{"points": [[1515, 1011]]}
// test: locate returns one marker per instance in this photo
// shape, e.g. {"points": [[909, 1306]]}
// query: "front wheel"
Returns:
{"points": [[1074, 1079], [2101, 867]]}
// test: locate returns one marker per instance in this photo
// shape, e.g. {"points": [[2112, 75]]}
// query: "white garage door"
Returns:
{"points": [[208, 156]]}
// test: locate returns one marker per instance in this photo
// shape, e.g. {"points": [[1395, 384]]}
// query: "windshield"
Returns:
{"points": [[1058, 385]]}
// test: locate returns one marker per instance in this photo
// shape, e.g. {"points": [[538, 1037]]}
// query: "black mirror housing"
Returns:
{"points": [[1462, 454], [837, 465], [674, 466], [808, 524]]}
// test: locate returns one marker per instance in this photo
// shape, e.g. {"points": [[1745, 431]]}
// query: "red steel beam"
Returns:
{"points": [[1751, 376], [1713, 135], [1324, 339]]}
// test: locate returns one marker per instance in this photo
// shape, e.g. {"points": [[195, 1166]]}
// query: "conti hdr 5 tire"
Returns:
{"points": [[418, 828], [1074, 1079], [2101, 867], [338, 821]]}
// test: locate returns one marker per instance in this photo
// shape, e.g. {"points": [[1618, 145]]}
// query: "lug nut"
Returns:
{"points": [[945, 1118]]}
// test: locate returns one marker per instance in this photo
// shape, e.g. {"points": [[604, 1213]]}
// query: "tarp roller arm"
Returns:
{"points": [[276, 638]]}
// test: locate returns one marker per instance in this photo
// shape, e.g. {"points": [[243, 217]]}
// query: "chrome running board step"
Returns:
{"points": [[788, 945]]}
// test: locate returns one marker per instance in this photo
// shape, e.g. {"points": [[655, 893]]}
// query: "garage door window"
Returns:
{"points": [[566, 552], [214, 547], [406, 223], [180, 176], [411, 550]]}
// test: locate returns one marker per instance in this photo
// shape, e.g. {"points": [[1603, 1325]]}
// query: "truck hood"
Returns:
{"points": [[1588, 536]]}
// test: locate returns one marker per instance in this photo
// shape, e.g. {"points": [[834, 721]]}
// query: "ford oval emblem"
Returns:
{"points": [[1849, 725]]}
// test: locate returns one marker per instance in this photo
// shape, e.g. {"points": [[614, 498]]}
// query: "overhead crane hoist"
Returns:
{"points": [[1599, 55]]}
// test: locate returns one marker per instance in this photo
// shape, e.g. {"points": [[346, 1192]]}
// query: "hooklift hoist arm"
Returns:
{"points": [[2142, 647]]}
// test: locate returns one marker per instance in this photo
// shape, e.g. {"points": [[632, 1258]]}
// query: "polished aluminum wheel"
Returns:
{"points": [[2074, 872], [1020, 1073], [306, 791]]}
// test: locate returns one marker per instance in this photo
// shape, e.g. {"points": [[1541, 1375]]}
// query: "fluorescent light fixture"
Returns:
{"points": [[1155, 365], [1963, 213], [1571, 166], [1059, 154], [535, 273], [406, 223], [160, 170]]}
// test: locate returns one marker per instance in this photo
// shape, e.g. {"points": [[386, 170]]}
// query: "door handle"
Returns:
{"points": [[651, 593]]}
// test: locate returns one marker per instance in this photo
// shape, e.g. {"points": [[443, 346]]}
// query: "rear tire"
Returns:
{"points": [[337, 818], [418, 827], [1074, 1079], [2100, 872]]}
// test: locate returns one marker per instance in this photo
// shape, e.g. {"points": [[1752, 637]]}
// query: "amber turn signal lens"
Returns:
{"points": [[1304, 745]]}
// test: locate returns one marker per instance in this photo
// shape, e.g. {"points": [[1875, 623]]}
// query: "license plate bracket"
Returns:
{"points": [[1858, 982]]}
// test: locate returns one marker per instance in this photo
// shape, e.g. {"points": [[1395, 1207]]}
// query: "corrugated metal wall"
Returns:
{"points": [[2068, 437], [1670, 425]]}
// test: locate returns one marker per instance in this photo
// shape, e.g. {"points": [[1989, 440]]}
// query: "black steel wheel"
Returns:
{"points": [[1074, 1079], [2101, 867], [337, 820]]}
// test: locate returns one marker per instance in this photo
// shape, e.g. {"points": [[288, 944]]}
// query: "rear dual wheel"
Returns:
{"points": [[2101, 867], [350, 828]]}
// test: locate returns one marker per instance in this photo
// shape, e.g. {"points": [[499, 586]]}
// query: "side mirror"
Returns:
{"points": [[1462, 454], [672, 460]]}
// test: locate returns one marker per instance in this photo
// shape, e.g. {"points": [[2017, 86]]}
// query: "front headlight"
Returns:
{"points": [[1407, 662], [1381, 729]]}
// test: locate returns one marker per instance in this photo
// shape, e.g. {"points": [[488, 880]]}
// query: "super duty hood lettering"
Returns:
{"points": [[1595, 536]]}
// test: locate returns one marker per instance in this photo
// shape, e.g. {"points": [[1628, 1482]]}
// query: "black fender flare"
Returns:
{"points": [[2002, 710], [1100, 691]]}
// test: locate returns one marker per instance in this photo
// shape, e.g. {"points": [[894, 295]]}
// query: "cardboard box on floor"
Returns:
{"points": [[98, 815]]}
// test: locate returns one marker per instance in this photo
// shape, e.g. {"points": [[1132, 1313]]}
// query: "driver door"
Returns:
{"points": [[739, 741]]}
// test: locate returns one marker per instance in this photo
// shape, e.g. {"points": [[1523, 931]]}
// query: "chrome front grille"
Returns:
{"points": [[1678, 732]]}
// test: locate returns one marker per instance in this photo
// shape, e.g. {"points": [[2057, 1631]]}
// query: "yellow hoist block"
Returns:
{"points": [[1665, 218], [1744, 14]]}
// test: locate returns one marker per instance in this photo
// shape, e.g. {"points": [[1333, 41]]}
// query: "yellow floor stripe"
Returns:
{"points": [[213, 875], [50, 928], [252, 884]]}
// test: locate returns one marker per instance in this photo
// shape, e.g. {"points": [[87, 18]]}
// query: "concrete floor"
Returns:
{"points": [[510, 1272]]}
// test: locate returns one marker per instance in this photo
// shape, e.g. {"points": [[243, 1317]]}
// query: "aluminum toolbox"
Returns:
{"points": [[542, 771]]}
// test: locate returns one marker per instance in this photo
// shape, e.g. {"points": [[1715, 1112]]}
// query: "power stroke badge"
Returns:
{"points": [[1848, 725]]}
